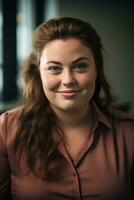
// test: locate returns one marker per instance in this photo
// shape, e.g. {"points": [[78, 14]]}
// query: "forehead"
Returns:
{"points": [[64, 47]]}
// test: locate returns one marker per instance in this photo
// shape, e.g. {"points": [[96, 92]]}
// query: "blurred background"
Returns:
{"points": [[113, 19]]}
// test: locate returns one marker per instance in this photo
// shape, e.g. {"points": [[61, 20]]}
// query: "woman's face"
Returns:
{"points": [[68, 74]]}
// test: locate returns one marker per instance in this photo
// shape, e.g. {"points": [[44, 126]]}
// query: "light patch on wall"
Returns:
{"points": [[52, 9]]}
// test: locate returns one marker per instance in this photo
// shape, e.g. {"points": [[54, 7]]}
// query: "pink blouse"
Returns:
{"points": [[103, 169]]}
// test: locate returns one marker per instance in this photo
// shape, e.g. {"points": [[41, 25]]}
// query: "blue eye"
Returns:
{"points": [[80, 67], [55, 69]]}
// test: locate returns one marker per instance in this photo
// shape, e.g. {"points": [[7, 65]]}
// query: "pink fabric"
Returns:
{"points": [[103, 169]]}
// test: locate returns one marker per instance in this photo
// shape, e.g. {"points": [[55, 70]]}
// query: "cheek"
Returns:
{"points": [[49, 83], [87, 81]]}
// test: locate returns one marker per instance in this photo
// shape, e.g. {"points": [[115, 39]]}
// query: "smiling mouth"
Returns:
{"points": [[69, 93]]}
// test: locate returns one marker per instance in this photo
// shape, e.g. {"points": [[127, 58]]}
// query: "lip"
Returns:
{"points": [[69, 93]]}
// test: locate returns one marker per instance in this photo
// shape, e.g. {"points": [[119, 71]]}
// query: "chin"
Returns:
{"points": [[71, 108]]}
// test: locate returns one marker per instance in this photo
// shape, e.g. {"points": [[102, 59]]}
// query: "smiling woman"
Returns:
{"points": [[68, 72], [66, 141]]}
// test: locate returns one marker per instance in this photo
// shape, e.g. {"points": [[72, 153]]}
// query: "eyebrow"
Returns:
{"points": [[59, 63]]}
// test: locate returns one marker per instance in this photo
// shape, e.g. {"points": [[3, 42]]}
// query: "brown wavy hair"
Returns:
{"points": [[34, 133]]}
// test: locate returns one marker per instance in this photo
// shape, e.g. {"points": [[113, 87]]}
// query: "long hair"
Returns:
{"points": [[34, 133]]}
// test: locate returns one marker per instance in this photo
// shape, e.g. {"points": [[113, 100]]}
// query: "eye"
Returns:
{"points": [[55, 69], [80, 67]]}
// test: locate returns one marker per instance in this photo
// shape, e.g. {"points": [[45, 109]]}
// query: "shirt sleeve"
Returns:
{"points": [[4, 165]]}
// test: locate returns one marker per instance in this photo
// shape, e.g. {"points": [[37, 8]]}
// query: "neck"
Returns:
{"points": [[72, 119]]}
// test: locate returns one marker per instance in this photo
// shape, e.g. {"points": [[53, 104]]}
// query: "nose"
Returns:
{"points": [[68, 78]]}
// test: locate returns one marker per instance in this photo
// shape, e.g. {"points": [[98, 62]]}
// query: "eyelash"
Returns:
{"points": [[55, 69], [80, 67]]}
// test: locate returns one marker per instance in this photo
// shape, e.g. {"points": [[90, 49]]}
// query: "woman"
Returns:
{"points": [[66, 142]]}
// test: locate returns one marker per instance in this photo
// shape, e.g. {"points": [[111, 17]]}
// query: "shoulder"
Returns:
{"points": [[122, 118], [11, 114], [123, 133], [8, 121], [123, 123], [112, 116], [120, 114]]}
